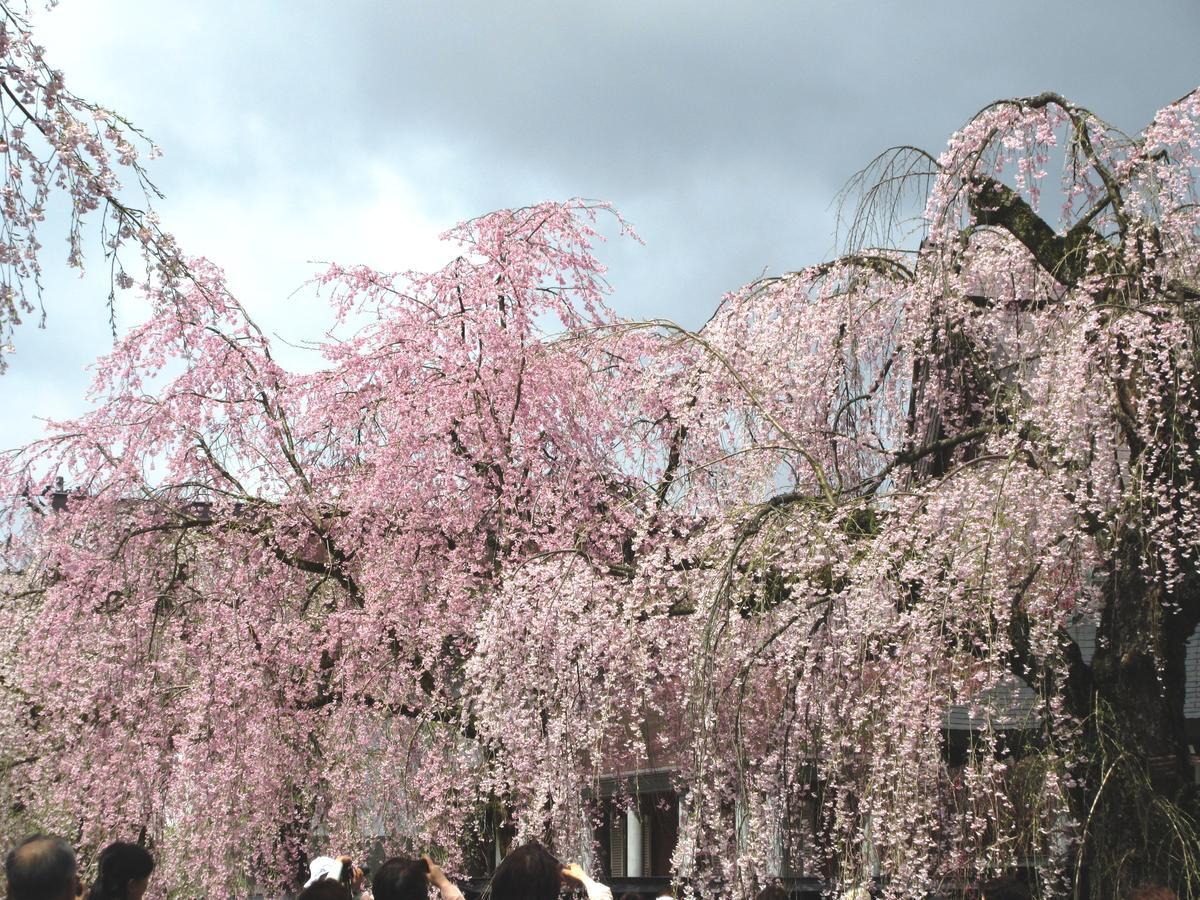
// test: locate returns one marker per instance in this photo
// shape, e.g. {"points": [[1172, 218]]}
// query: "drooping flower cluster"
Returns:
{"points": [[64, 155]]}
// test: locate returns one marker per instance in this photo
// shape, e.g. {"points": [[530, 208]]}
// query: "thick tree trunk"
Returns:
{"points": [[1137, 802]]}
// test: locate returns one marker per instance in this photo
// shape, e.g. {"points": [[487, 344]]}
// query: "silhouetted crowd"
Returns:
{"points": [[530, 872], [43, 867]]}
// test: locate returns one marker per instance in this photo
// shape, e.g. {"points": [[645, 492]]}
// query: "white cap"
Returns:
{"points": [[323, 867]]}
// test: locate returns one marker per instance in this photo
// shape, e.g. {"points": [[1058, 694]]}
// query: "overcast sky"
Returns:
{"points": [[357, 131]]}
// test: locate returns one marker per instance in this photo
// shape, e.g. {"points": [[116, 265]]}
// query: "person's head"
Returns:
{"points": [[531, 872], [772, 892], [401, 879], [325, 889], [1153, 892], [42, 868], [122, 872]]}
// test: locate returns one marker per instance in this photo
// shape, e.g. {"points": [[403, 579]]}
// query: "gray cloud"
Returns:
{"points": [[722, 130]]}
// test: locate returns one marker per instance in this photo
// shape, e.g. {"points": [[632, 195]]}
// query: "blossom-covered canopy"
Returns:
{"points": [[501, 544]]}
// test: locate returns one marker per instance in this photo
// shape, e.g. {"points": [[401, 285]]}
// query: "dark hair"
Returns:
{"points": [[325, 889], [119, 864], [41, 868], [772, 892], [531, 872], [400, 878], [1153, 892]]}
